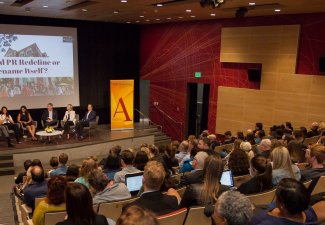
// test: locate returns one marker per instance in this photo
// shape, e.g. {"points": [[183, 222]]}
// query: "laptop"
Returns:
{"points": [[227, 178], [133, 182]]}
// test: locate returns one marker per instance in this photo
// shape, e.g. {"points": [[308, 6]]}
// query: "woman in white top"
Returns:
{"points": [[69, 119], [282, 166], [6, 120]]}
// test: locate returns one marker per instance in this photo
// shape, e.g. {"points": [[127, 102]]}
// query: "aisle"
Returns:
{"points": [[6, 209]]}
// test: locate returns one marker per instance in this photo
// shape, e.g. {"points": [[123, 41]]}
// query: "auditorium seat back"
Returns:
{"points": [[239, 180], [195, 216], [320, 186], [263, 198], [174, 218], [52, 218]]}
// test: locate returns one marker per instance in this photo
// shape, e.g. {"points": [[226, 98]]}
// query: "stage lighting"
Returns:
{"points": [[212, 3], [240, 12]]}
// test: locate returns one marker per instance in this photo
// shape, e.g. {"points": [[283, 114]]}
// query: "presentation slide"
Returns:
{"points": [[38, 65]]}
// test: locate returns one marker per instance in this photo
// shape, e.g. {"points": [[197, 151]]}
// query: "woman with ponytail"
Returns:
{"points": [[261, 172]]}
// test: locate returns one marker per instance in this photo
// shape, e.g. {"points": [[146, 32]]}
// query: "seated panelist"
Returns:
{"points": [[25, 119], [6, 120], [69, 119], [49, 116], [90, 116]]}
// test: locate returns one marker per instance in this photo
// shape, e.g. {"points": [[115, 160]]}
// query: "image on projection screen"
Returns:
{"points": [[38, 66]]}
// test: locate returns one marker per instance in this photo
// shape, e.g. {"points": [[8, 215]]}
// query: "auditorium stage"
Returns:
{"points": [[102, 139]]}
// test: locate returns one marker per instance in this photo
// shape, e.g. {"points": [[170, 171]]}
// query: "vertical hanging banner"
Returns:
{"points": [[122, 97]]}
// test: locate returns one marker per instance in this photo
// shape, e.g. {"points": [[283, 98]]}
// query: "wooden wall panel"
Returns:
{"points": [[283, 96]]}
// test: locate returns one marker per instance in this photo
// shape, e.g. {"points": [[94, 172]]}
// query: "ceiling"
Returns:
{"points": [[146, 12]]}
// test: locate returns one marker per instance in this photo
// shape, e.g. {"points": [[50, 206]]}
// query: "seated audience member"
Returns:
{"points": [[54, 200], [187, 165], [250, 137], [196, 175], [49, 116], [152, 198], [286, 139], [240, 135], [6, 120], [79, 206], [203, 144], [288, 128], [140, 160], [127, 158], [291, 206], [297, 148], [54, 163], [304, 132], [112, 166], [105, 190], [264, 148], [170, 155], [238, 162], [87, 167], [90, 116], [208, 191], [72, 173], [35, 162], [316, 158], [228, 138], [258, 127], [136, 215], [247, 147], [259, 136], [261, 172], [62, 169], [313, 130], [25, 119], [184, 153], [232, 208], [37, 188], [69, 119], [282, 166], [204, 134], [213, 140], [20, 177]]}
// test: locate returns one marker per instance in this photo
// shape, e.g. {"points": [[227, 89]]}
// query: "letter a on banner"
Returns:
{"points": [[122, 97]]}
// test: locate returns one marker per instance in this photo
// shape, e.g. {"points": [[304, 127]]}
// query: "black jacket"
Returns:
{"points": [[157, 202], [192, 178], [45, 115]]}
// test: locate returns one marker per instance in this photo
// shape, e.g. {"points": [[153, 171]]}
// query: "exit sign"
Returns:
{"points": [[197, 74]]}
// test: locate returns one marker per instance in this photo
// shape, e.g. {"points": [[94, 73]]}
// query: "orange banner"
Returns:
{"points": [[122, 97]]}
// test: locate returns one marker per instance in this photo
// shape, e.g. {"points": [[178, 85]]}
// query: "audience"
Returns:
{"points": [[184, 153], [228, 138], [62, 169], [203, 144], [140, 160], [247, 147], [259, 135], [35, 162], [127, 158], [54, 200], [170, 155], [87, 167], [37, 188], [112, 165], [152, 198], [291, 206], [135, 215], [207, 191], [232, 208], [313, 130], [187, 165], [265, 148], [54, 163], [261, 172], [238, 162], [79, 206], [196, 175], [104, 189], [72, 172], [20, 177], [297, 148], [282, 166]]}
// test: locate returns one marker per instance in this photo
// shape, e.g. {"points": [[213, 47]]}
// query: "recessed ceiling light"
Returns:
{"points": [[84, 10], [157, 19], [141, 16], [45, 6], [212, 14], [138, 21], [251, 3], [168, 18], [116, 11], [277, 10], [124, 1], [128, 22], [193, 16], [147, 20], [188, 10], [2, 3], [27, 9], [159, 5], [180, 17]]}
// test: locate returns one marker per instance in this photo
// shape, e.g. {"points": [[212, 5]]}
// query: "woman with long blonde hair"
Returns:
{"points": [[282, 166]]}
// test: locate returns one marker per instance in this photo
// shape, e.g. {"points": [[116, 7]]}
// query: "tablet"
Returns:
{"points": [[133, 182], [227, 179]]}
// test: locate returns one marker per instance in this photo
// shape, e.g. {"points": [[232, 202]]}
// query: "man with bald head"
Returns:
{"points": [[38, 187], [313, 130], [265, 148]]}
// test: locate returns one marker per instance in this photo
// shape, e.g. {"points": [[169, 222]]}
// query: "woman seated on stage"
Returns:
{"points": [[69, 119], [6, 119], [25, 119]]}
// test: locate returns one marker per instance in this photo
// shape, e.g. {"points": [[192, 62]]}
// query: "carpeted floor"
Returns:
{"points": [[7, 216]]}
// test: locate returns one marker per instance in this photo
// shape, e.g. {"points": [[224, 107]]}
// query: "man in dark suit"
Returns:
{"points": [[196, 175], [38, 187], [49, 116], [152, 198], [90, 116]]}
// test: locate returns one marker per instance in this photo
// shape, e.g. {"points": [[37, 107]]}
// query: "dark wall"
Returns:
{"points": [[106, 51]]}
